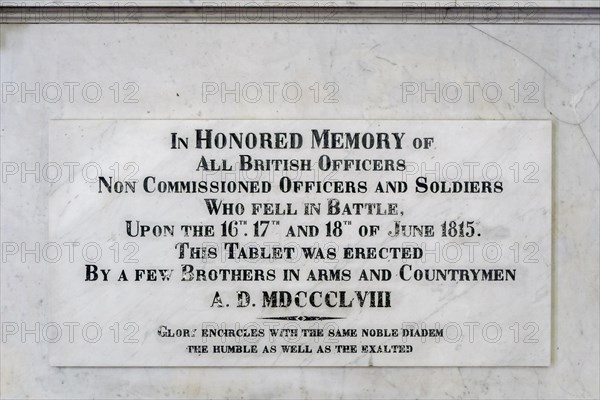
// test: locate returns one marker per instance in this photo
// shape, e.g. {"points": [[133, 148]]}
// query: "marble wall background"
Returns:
{"points": [[340, 3], [371, 65]]}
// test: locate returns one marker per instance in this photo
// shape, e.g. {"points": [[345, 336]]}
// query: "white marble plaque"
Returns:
{"points": [[301, 242]]}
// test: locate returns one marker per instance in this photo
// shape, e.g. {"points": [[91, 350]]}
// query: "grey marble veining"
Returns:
{"points": [[373, 67]]}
